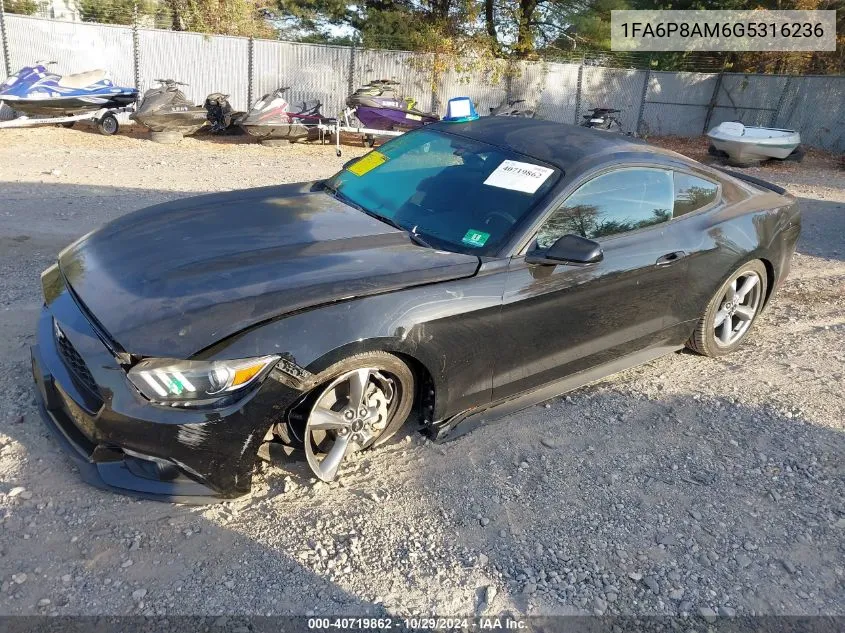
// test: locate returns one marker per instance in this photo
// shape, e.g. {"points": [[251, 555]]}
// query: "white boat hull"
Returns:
{"points": [[746, 144]]}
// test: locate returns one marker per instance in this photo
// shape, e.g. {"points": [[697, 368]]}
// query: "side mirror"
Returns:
{"points": [[569, 249]]}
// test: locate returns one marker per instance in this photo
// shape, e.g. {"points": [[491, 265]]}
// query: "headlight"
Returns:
{"points": [[196, 383]]}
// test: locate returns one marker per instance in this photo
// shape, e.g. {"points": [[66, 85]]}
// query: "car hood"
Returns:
{"points": [[175, 278]]}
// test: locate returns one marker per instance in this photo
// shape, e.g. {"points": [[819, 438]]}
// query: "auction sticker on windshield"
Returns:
{"points": [[367, 163], [518, 176]]}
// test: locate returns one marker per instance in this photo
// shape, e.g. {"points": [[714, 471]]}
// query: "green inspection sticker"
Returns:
{"points": [[475, 238]]}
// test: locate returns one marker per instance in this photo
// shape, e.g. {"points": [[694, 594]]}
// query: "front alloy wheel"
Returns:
{"points": [[731, 311], [362, 407]]}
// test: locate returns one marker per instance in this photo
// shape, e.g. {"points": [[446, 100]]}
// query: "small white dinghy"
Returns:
{"points": [[748, 144]]}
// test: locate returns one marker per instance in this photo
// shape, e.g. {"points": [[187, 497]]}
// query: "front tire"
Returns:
{"points": [[362, 404], [731, 312]]}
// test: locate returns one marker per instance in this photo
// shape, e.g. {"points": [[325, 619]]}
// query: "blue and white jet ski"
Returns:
{"points": [[35, 91]]}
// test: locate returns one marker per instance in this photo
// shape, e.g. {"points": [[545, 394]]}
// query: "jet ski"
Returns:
{"points": [[167, 109], [517, 108], [222, 118], [602, 119], [378, 105], [35, 91], [272, 117]]}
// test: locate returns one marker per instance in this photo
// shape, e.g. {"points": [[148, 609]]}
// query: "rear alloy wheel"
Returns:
{"points": [[731, 312], [362, 407]]}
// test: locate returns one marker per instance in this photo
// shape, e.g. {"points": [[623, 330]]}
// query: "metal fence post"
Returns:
{"points": [[250, 71], [6, 59], [136, 47], [510, 71], [777, 111], [351, 79], [713, 100], [435, 84], [578, 94], [638, 129]]}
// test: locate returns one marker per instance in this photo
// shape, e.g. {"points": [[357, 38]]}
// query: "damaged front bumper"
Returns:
{"points": [[122, 442]]}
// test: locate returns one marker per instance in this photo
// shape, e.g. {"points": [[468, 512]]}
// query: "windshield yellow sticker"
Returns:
{"points": [[367, 163]]}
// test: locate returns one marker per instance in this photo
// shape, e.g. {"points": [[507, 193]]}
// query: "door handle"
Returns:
{"points": [[670, 258]]}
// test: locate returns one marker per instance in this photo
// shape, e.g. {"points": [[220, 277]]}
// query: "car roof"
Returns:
{"points": [[557, 144]]}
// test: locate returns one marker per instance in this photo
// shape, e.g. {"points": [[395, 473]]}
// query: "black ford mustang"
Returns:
{"points": [[460, 272]]}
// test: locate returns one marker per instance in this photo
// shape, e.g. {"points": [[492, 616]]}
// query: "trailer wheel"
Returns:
{"points": [[67, 124], [369, 140], [108, 124]]}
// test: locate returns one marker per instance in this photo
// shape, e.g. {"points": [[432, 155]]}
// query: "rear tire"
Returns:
{"points": [[731, 312]]}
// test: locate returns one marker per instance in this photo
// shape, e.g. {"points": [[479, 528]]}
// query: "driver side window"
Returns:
{"points": [[616, 202]]}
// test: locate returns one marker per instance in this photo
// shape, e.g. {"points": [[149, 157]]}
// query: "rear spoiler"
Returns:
{"points": [[754, 181]]}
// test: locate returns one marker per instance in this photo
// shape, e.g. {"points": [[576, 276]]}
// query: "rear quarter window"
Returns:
{"points": [[692, 193]]}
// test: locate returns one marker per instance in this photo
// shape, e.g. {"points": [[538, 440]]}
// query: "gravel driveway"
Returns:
{"points": [[688, 485]]}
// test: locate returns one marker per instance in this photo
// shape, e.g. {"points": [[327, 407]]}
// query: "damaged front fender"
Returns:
{"points": [[449, 329]]}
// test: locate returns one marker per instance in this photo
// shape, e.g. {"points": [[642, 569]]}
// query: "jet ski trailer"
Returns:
{"points": [[746, 144], [105, 119], [379, 110], [344, 126]]}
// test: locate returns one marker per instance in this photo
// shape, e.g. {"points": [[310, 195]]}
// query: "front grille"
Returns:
{"points": [[73, 361]]}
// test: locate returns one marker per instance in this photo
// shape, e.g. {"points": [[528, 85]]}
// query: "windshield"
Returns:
{"points": [[452, 192]]}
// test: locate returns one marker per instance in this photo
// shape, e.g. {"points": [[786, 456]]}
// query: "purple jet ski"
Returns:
{"points": [[378, 105]]}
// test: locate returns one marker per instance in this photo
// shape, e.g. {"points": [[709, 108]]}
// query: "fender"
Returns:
{"points": [[727, 238], [450, 328]]}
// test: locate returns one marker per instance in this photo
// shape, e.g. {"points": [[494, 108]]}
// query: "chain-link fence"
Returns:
{"points": [[653, 102]]}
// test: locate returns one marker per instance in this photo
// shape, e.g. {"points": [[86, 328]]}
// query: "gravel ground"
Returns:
{"points": [[689, 485]]}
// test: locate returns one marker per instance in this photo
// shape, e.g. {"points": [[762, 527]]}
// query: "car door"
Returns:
{"points": [[561, 319]]}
